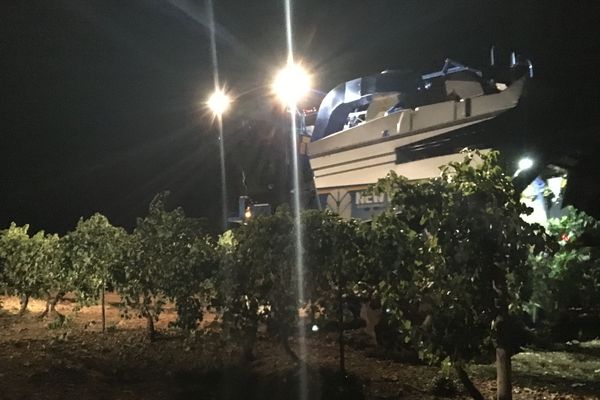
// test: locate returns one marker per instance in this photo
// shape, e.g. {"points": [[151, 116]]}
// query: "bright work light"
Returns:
{"points": [[291, 84], [218, 102], [524, 164]]}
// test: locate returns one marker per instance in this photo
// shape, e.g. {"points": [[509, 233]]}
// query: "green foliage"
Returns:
{"points": [[95, 251], [31, 265], [58, 322], [237, 293], [168, 258], [452, 254], [14, 247], [333, 259], [55, 276], [569, 276], [258, 279], [447, 261], [443, 385]]}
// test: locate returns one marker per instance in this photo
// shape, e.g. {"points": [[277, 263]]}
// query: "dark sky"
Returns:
{"points": [[101, 101]]}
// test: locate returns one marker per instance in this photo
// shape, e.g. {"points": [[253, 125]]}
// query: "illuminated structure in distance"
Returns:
{"points": [[370, 126]]}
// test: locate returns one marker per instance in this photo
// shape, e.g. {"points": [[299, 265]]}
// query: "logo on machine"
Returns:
{"points": [[348, 203], [340, 202], [368, 200]]}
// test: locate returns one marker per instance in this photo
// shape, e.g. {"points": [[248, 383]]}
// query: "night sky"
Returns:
{"points": [[101, 101]]}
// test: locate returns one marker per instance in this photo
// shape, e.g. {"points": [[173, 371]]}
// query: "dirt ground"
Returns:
{"points": [[42, 359]]}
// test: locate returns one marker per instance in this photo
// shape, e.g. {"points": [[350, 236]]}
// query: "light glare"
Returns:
{"points": [[218, 102], [291, 84], [525, 163]]}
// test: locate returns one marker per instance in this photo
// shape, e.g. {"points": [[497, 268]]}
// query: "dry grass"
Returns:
{"points": [[570, 371], [72, 360]]}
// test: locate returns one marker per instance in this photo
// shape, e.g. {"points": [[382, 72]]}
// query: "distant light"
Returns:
{"points": [[291, 84], [248, 213], [315, 328], [525, 163], [218, 102]]}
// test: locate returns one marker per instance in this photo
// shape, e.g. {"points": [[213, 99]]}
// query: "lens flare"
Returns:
{"points": [[291, 84], [219, 102], [525, 163]]}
